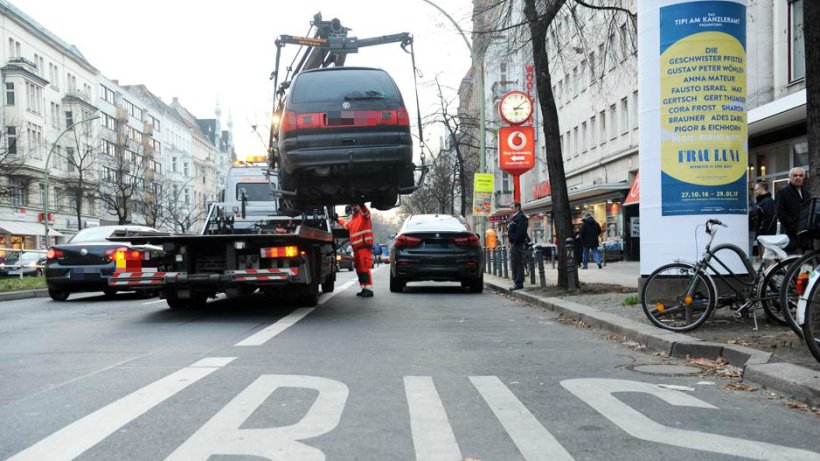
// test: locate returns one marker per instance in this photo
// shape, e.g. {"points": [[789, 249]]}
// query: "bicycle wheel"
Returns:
{"points": [[791, 290], [769, 289], [676, 297], [811, 322]]}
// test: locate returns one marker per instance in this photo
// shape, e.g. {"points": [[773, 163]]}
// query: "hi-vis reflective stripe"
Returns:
{"points": [[360, 233], [251, 275], [149, 276]]}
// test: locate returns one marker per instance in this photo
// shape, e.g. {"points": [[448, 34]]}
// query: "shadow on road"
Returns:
{"points": [[243, 308]]}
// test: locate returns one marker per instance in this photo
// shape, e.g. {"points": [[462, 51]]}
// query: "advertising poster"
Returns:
{"points": [[703, 145], [483, 194]]}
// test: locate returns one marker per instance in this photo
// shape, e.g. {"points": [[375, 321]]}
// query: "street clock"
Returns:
{"points": [[515, 107]]}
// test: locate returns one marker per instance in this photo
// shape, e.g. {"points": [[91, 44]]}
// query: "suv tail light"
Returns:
{"points": [[54, 253], [468, 241], [404, 241]]}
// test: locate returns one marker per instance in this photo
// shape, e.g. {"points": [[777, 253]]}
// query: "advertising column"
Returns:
{"points": [[692, 108]]}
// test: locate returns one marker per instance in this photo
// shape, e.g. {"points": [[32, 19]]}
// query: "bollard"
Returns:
{"points": [[572, 269], [603, 255], [495, 262], [542, 277], [486, 260], [505, 262], [553, 253], [531, 264]]}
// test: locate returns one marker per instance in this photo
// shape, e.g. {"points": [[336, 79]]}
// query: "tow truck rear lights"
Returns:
{"points": [[129, 260], [404, 241], [468, 241], [279, 252], [54, 253]]}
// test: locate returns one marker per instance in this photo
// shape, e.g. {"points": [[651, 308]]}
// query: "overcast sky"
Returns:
{"points": [[203, 50]]}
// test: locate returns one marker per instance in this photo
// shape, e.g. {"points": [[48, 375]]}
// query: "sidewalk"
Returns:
{"points": [[772, 357]]}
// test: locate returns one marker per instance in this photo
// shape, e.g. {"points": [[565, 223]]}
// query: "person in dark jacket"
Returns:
{"points": [[787, 206], [578, 248], [589, 233], [517, 232], [765, 219]]}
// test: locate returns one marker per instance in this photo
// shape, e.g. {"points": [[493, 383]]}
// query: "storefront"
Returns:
{"points": [[20, 235]]}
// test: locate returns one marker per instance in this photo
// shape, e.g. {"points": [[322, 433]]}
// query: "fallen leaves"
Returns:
{"points": [[567, 320], [739, 342], [739, 387]]}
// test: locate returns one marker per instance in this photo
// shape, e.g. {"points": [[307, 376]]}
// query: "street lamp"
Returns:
{"points": [[45, 171], [479, 74]]}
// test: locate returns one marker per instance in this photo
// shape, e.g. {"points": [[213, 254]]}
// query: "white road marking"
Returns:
{"points": [[279, 326], [222, 435], [433, 436], [325, 298], [532, 439], [153, 302], [74, 439], [597, 393]]}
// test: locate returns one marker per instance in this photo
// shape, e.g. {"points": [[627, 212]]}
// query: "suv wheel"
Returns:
{"points": [[58, 295], [477, 286], [396, 285]]}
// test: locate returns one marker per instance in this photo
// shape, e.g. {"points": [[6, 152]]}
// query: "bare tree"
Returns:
{"points": [[182, 216], [82, 172], [11, 161]]}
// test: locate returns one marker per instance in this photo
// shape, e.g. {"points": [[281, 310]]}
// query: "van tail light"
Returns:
{"points": [[54, 253], [404, 241], [468, 241], [279, 252], [402, 117], [309, 121], [289, 121], [801, 283]]}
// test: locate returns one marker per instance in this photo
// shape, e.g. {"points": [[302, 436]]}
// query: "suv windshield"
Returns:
{"points": [[338, 85]]}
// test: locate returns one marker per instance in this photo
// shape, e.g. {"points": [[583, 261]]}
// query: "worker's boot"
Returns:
{"points": [[366, 293]]}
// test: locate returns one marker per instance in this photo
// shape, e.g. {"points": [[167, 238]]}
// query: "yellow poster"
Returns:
{"points": [[483, 194]]}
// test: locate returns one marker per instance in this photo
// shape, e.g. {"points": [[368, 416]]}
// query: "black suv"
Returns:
{"points": [[345, 138]]}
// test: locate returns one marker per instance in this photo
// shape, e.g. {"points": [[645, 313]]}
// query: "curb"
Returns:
{"points": [[798, 382], [25, 294]]}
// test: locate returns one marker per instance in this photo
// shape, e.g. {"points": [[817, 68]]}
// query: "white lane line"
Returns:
{"points": [[79, 436], [342, 288], [532, 439], [433, 436], [153, 302], [279, 326]]}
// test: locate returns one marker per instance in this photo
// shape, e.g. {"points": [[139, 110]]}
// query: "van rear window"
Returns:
{"points": [[336, 85], [255, 191]]}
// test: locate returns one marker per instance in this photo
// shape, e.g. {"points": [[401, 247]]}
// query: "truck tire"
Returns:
{"points": [[109, 292], [387, 201], [176, 303], [310, 297], [329, 285], [198, 300]]}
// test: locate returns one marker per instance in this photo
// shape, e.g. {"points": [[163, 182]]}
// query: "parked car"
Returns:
{"points": [[344, 259], [87, 261], [345, 138], [27, 263], [437, 248]]}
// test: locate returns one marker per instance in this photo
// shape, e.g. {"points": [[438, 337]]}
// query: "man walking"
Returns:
{"points": [[787, 205], [766, 221], [517, 232], [589, 233], [361, 238]]}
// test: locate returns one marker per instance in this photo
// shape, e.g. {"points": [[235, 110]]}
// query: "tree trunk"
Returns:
{"points": [[811, 34], [555, 159]]}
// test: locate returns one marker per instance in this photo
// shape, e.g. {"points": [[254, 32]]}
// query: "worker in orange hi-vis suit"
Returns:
{"points": [[361, 239]]}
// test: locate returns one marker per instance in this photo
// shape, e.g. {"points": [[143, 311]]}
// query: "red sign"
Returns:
{"points": [[530, 79], [541, 190], [41, 215], [516, 147], [634, 191]]}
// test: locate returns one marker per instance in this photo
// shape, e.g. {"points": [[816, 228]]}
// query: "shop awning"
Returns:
{"points": [[578, 193], [634, 195], [779, 113], [27, 228]]}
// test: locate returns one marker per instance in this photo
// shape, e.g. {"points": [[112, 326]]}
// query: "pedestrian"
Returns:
{"points": [[377, 251], [577, 248], [517, 233], [589, 233], [765, 219], [361, 238], [490, 239], [787, 206]]}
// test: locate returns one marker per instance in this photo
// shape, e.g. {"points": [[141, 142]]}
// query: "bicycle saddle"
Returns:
{"points": [[773, 246]]}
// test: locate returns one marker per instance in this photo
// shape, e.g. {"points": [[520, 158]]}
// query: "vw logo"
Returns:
{"points": [[83, 252], [345, 105], [438, 235]]}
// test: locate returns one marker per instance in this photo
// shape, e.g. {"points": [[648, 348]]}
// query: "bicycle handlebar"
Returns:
{"points": [[715, 222]]}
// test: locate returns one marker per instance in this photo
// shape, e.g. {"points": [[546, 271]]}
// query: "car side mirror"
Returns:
{"points": [[392, 235]]}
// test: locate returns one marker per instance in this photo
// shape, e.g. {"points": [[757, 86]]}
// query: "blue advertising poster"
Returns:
{"points": [[703, 108]]}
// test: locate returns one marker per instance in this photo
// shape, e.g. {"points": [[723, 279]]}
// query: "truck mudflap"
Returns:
{"points": [[183, 279]]}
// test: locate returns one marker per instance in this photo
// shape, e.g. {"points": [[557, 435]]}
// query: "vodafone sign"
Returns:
{"points": [[516, 147]]}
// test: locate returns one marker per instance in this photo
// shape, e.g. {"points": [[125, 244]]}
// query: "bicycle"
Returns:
{"points": [[794, 285], [807, 314], [681, 296]]}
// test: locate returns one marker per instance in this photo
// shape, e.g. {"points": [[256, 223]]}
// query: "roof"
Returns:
{"points": [[155, 101]]}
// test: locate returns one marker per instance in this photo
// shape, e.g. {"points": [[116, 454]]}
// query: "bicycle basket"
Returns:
{"points": [[809, 225]]}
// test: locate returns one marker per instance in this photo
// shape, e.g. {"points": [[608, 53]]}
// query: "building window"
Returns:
{"points": [[635, 110], [9, 94], [502, 67], [185, 169], [18, 192], [577, 146], [797, 43], [106, 94], [575, 82], [187, 196], [42, 190], [582, 75], [34, 96], [613, 128], [174, 164], [624, 115], [624, 38], [602, 126], [584, 137], [69, 118], [592, 139], [11, 138], [70, 160]]}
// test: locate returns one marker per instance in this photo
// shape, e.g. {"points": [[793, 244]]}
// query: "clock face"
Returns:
{"points": [[516, 107]]}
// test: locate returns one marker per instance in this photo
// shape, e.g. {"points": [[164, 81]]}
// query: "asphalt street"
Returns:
{"points": [[434, 373]]}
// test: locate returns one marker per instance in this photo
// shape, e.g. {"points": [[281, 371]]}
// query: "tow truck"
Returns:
{"points": [[252, 240]]}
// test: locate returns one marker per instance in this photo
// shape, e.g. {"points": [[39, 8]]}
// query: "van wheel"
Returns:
{"points": [[58, 295]]}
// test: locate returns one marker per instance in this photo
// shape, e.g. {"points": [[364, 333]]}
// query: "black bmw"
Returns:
{"points": [[436, 248]]}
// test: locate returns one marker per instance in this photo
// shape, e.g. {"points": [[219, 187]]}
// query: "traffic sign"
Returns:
{"points": [[516, 145]]}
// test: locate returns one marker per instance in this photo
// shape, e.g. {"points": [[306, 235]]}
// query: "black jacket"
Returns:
{"points": [[589, 233], [517, 229], [787, 207], [766, 222]]}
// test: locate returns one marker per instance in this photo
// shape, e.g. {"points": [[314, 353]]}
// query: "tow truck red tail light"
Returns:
{"points": [[128, 260], [279, 252], [801, 283], [404, 241], [54, 253], [468, 241]]}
